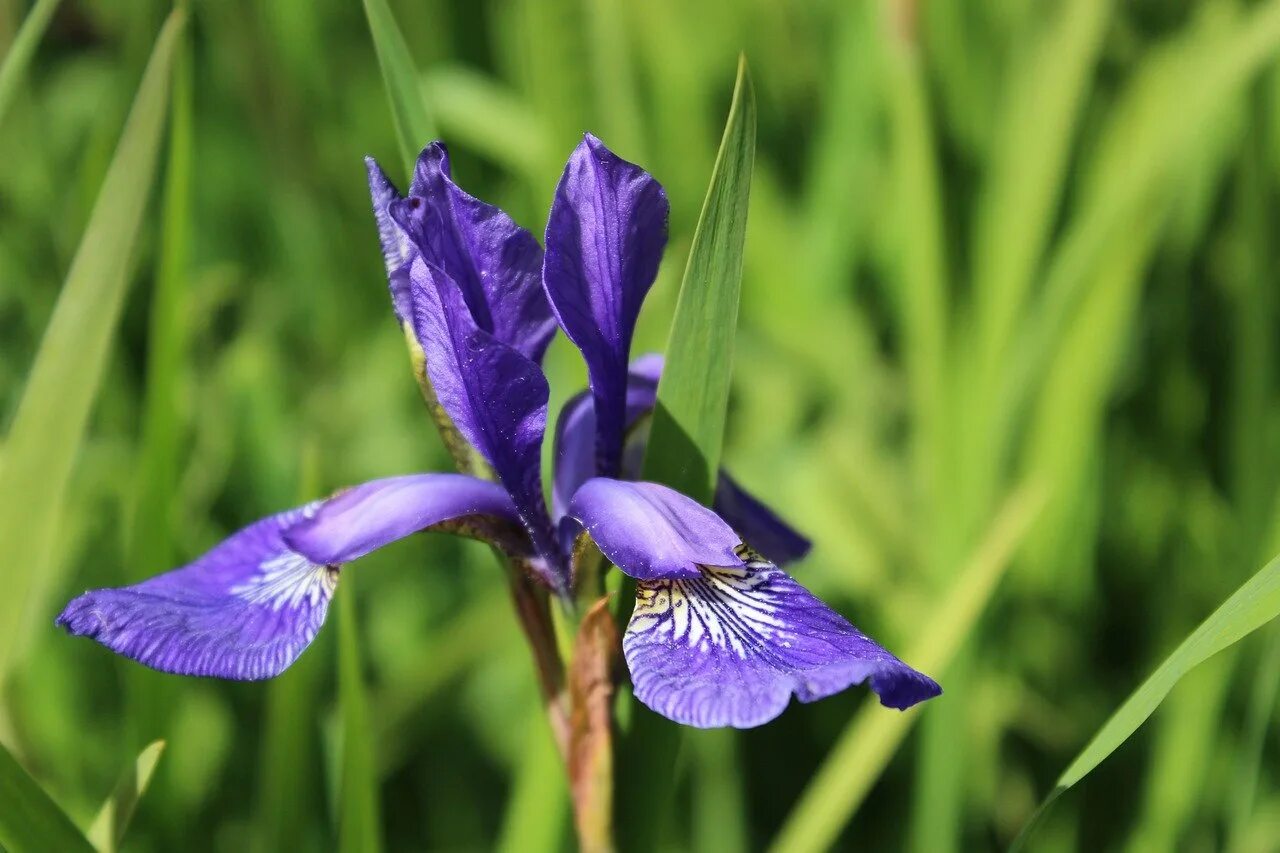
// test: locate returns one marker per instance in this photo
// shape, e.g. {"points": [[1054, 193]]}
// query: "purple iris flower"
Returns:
{"points": [[720, 635]]}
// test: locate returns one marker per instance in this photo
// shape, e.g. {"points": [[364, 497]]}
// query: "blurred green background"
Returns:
{"points": [[997, 248]]}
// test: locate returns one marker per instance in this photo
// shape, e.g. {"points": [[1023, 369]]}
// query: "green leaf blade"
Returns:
{"points": [[16, 62], [29, 819], [1252, 605], [53, 414], [108, 829], [413, 123], [693, 395], [358, 830], [688, 430]]}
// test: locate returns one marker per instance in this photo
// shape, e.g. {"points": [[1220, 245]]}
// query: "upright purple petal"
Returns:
{"points": [[495, 396], [397, 251], [575, 457], [730, 648], [605, 237], [246, 609], [650, 531], [575, 463], [496, 263]]}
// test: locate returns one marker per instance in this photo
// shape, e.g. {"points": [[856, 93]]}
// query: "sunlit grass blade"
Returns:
{"points": [[414, 127], [476, 110], [919, 248], [108, 828], [693, 395], [1250, 607], [858, 758], [358, 823], [13, 68], [613, 78], [720, 817], [150, 543], [53, 413], [1031, 142], [1172, 98], [288, 792], [536, 812], [30, 822]]}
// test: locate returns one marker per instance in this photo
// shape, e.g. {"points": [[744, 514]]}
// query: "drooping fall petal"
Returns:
{"points": [[249, 607]]}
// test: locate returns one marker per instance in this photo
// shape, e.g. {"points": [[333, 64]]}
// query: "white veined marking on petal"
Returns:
{"points": [[286, 581], [729, 608]]}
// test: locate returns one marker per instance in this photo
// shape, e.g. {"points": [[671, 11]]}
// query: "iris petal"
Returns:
{"points": [[650, 531], [575, 463], [366, 517], [495, 396], [730, 648], [605, 238], [759, 526], [249, 607], [244, 611], [575, 458], [397, 251], [495, 263]]}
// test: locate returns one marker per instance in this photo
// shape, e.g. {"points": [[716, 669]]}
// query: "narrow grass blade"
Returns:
{"points": [[613, 77], [1031, 143], [289, 795], [693, 396], [358, 830], [688, 428], [30, 822], [863, 751], [1172, 98], [920, 250], [54, 410], [414, 127], [14, 67], [536, 812], [1250, 607], [151, 542], [720, 812], [480, 112], [108, 829]]}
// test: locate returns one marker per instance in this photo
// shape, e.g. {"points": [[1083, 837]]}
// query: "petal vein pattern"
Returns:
{"points": [[245, 610], [731, 647]]}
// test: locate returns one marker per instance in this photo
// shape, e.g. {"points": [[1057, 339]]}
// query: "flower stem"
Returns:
{"points": [[534, 612], [590, 760]]}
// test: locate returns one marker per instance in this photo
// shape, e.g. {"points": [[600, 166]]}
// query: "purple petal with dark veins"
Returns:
{"points": [[650, 531], [496, 263], [605, 238], [244, 611], [495, 396], [248, 608], [730, 648]]}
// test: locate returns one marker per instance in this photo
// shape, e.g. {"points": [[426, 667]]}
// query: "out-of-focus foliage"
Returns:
{"points": [[990, 244]]}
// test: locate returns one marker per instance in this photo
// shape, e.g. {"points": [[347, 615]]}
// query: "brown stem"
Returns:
{"points": [[534, 611], [595, 653]]}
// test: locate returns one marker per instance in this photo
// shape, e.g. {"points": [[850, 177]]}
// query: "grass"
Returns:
{"points": [[988, 244]]}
